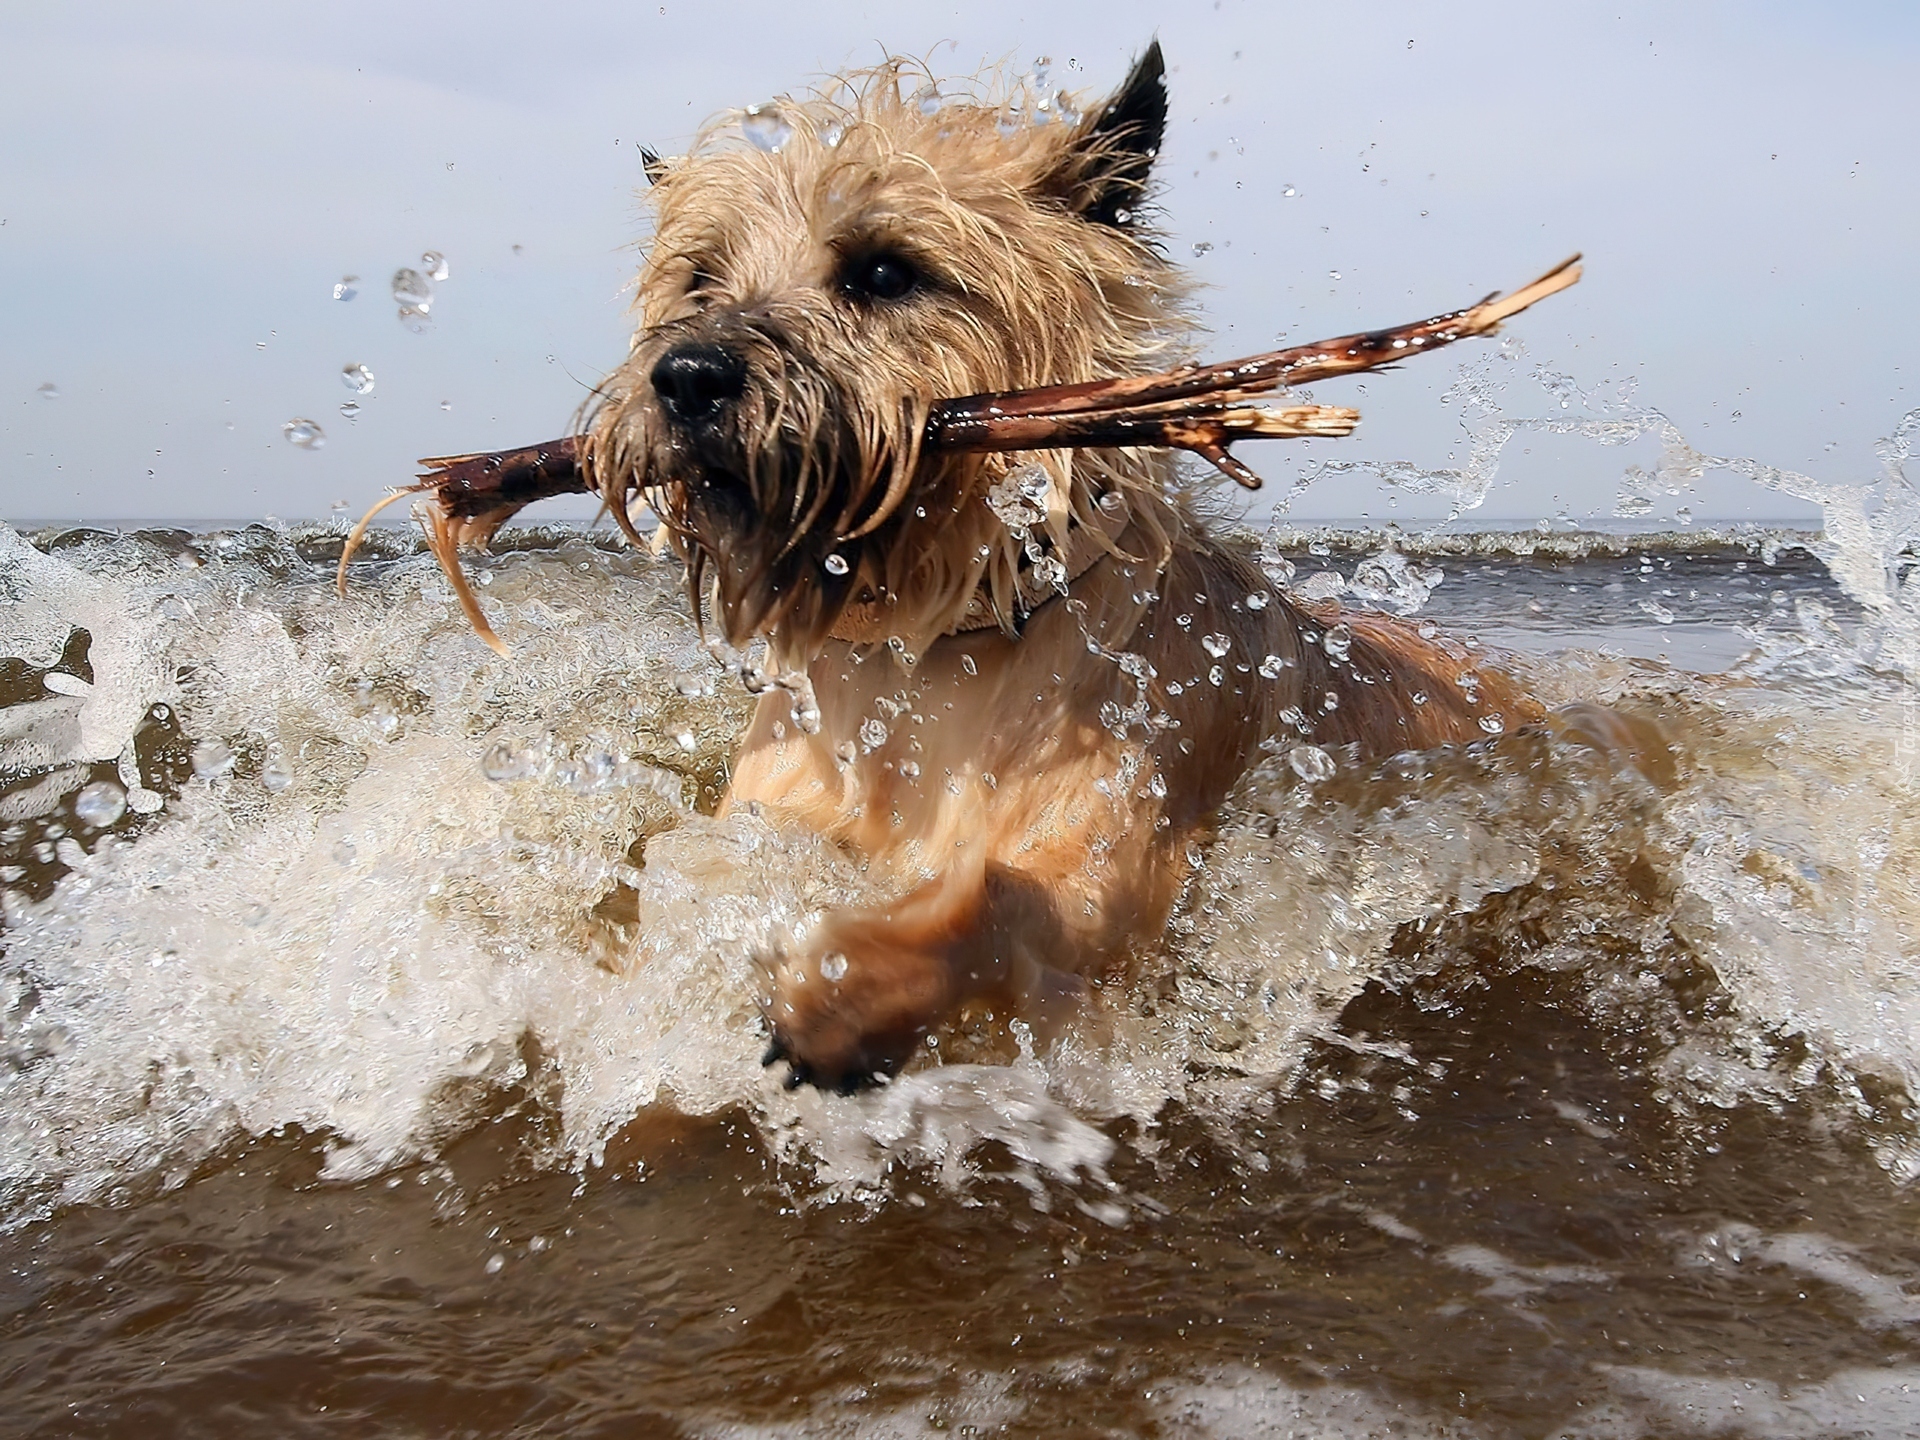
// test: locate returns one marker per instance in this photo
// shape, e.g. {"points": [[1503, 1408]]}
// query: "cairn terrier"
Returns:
{"points": [[1018, 686]]}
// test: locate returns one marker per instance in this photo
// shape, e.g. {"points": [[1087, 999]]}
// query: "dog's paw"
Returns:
{"points": [[844, 1016]]}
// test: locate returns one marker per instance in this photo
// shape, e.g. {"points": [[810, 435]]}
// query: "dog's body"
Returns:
{"points": [[1034, 683]]}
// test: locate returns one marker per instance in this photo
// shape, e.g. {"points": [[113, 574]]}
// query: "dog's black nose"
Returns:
{"points": [[698, 382]]}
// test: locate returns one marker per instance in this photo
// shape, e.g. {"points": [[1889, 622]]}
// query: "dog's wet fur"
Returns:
{"points": [[1033, 698]]}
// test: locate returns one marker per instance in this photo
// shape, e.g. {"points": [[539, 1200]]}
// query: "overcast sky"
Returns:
{"points": [[182, 185]]}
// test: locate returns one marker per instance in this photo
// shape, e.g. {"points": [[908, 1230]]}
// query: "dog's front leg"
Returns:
{"points": [[870, 985]]}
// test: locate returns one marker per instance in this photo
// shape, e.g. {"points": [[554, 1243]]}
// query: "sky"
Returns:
{"points": [[182, 186]]}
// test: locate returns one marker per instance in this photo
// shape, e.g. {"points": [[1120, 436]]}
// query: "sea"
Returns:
{"points": [[380, 1041]]}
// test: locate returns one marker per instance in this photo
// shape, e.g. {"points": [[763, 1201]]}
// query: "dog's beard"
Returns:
{"points": [[782, 505]]}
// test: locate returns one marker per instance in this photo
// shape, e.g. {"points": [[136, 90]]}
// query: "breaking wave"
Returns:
{"points": [[361, 874]]}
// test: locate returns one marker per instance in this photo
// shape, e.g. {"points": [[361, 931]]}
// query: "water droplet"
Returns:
{"points": [[1202, 247], [1492, 724], [1338, 641], [304, 433], [835, 564], [766, 128], [1113, 503], [1216, 676], [872, 734], [1257, 600], [412, 291], [505, 762], [833, 966], [1216, 645], [100, 804], [346, 287], [1157, 786], [495, 1263], [434, 264], [968, 664], [910, 769], [1271, 667], [276, 776], [1311, 763], [845, 752], [357, 378], [48, 391], [1288, 192], [686, 741], [831, 135], [350, 411], [1684, 515], [211, 758], [446, 404]]}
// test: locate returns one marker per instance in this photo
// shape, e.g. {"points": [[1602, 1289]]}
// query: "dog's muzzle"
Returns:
{"points": [[697, 384]]}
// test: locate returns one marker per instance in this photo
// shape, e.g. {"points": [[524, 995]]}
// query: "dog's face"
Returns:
{"points": [[821, 273]]}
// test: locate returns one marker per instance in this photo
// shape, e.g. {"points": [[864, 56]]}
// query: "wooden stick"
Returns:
{"points": [[1187, 397], [1203, 409]]}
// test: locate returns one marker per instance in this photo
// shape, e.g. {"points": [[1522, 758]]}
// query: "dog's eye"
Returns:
{"points": [[880, 276]]}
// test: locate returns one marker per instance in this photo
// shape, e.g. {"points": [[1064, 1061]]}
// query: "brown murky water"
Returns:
{"points": [[1493, 1095]]}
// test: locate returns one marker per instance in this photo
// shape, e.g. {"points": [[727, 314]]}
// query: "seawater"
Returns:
{"points": [[390, 1066]]}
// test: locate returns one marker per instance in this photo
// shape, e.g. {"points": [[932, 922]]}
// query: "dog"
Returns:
{"points": [[1018, 687]]}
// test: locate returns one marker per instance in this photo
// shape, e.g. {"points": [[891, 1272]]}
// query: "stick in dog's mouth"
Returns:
{"points": [[1203, 409]]}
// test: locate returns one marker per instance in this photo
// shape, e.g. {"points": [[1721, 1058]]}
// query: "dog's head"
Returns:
{"points": [[822, 271]]}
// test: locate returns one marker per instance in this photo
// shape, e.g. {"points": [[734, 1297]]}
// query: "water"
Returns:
{"points": [[390, 1065], [304, 434], [766, 128], [412, 290]]}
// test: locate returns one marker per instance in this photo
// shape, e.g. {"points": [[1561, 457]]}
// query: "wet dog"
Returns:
{"points": [[1018, 687]]}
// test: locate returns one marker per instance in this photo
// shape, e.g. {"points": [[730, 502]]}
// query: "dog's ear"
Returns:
{"points": [[654, 166], [1103, 175]]}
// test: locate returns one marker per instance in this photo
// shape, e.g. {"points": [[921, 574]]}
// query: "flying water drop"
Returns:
{"points": [[100, 804], [346, 287], [211, 758], [412, 291], [835, 564], [434, 264], [48, 391], [766, 128], [305, 434], [357, 378], [1311, 763]]}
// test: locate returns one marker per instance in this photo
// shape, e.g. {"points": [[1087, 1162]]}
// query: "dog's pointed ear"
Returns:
{"points": [[654, 166], [1103, 175]]}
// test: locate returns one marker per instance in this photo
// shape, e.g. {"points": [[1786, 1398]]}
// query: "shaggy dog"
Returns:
{"points": [[1018, 687]]}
